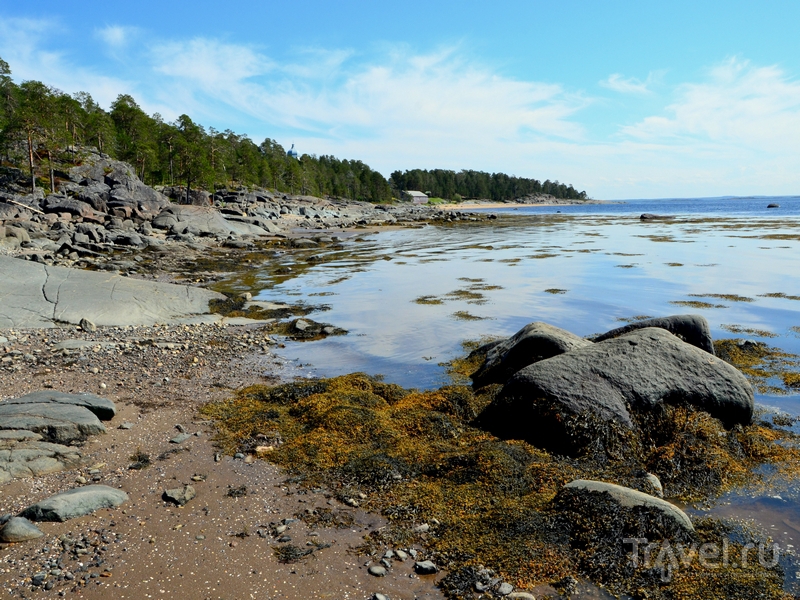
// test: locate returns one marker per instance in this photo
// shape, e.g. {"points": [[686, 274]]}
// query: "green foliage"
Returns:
{"points": [[477, 184]]}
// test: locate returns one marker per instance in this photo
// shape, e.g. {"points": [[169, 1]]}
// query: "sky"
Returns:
{"points": [[621, 99]]}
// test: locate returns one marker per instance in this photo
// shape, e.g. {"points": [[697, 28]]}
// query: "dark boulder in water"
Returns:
{"points": [[692, 329], [534, 342], [574, 401]]}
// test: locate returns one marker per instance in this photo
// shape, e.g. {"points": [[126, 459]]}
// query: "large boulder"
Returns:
{"points": [[73, 206], [200, 220], [692, 329], [534, 342], [75, 503], [606, 382]]}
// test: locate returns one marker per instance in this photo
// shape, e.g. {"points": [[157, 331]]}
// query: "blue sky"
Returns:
{"points": [[622, 99]]}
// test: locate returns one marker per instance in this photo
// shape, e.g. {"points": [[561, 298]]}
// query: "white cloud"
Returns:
{"points": [[739, 105], [116, 36], [630, 85], [23, 46]]}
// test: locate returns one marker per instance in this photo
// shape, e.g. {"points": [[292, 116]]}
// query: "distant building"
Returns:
{"points": [[415, 197], [292, 153]]}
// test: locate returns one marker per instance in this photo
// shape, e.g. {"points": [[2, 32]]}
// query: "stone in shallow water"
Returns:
{"points": [[75, 503], [604, 383], [19, 529]]}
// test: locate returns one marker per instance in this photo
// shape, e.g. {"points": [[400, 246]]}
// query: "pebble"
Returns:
{"points": [[377, 571], [126, 425], [238, 455], [521, 596], [377, 596], [505, 589], [425, 567], [180, 438], [401, 555]]}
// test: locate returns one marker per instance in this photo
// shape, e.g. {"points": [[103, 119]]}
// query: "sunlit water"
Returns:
{"points": [[583, 268]]}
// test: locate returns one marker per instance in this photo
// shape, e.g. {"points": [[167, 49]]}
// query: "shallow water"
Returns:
{"points": [[584, 272], [586, 269]]}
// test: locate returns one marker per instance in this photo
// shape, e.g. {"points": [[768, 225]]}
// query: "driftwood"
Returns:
{"points": [[21, 204]]}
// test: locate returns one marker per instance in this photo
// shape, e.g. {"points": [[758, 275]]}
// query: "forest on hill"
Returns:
{"points": [[38, 123]]}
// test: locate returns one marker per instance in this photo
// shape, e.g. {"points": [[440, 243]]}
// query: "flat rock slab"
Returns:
{"points": [[604, 382], [37, 295], [630, 498], [19, 529], [103, 408], [534, 342], [59, 423], [32, 458], [75, 503]]}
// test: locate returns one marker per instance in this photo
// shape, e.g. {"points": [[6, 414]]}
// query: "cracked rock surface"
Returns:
{"points": [[36, 295]]}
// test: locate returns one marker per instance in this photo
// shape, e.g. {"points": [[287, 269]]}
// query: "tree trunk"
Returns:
{"points": [[188, 189], [52, 174], [30, 163]]}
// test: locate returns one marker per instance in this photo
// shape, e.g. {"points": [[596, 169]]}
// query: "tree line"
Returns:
{"points": [[443, 183], [39, 125]]}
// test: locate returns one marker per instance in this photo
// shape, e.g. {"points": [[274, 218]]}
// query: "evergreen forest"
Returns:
{"points": [[40, 124]]}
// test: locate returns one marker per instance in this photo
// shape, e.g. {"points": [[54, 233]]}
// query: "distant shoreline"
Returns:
{"points": [[478, 205]]}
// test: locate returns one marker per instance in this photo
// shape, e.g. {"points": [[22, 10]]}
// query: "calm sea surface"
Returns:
{"points": [[409, 298]]}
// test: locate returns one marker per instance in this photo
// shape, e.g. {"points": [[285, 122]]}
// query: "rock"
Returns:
{"points": [[103, 408], [87, 325], [504, 589], [306, 329], [425, 567], [565, 403], [521, 596], [377, 571], [655, 483], [60, 423], [22, 457], [651, 217], [126, 425], [534, 342], [773, 205], [75, 503], [19, 529], [377, 596], [62, 204], [180, 496], [692, 329], [630, 498], [304, 243], [180, 438], [36, 295]]}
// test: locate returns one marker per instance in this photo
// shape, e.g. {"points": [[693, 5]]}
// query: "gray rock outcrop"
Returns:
{"points": [[37, 295], [59, 423], [75, 503], [103, 408], [606, 382], [534, 342], [692, 329]]}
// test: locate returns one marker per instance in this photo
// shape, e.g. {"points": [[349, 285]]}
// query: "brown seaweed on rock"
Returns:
{"points": [[417, 459]]}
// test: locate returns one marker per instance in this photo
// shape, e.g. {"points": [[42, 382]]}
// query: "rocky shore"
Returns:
{"points": [[138, 409], [102, 217]]}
